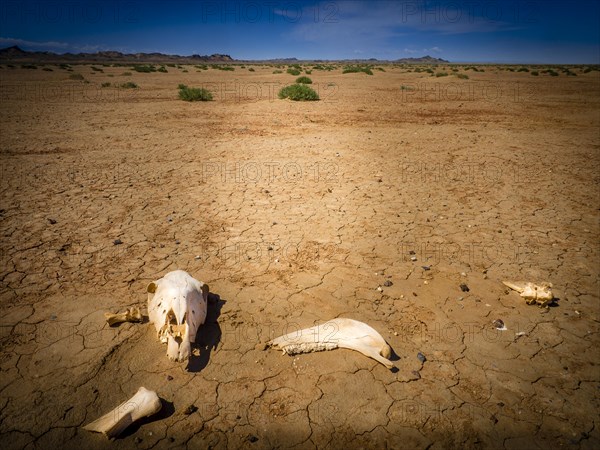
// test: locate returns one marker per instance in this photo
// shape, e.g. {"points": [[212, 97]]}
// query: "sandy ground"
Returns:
{"points": [[295, 213]]}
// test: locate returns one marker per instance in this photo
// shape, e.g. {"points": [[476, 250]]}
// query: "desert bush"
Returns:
{"points": [[76, 76], [162, 69], [129, 85], [97, 69], [357, 69], [441, 74], [28, 66], [126, 74], [429, 71], [462, 76], [48, 69], [523, 69], [184, 71], [277, 71], [294, 72], [298, 92], [535, 73], [303, 80], [106, 84], [144, 68], [194, 94]]}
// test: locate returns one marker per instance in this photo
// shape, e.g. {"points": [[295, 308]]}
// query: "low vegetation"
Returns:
{"points": [[357, 69], [293, 71], [194, 94], [129, 85], [298, 92], [303, 80], [76, 76]]}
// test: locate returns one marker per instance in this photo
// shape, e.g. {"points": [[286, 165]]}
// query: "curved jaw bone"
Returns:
{"points": [[336, 333], [130, 315], [177, 306], [540, 294], [143, 404]]}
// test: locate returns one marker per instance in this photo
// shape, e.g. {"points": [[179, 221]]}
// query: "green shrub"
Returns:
{"points": [[303, 80], [194, 94], [298, 92], [308, 72], [441, 74], [535, 73], [523, 69], [76, 76], [357, 69], [184, 71], [126, 74], [406, 88], [277, 71], [429, 71], [97, 69], [162, 69], [144, 68], [294, 72], [129, 85], [106, 84], [170, 65], [251, 69], [462, 76]]}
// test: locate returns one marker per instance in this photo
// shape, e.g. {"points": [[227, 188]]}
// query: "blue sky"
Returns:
{"points": [[506, 31]]}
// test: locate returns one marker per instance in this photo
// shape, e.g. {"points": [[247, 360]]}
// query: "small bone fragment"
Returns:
{"points": [[143, 404], [130, 315], [336, 333]]}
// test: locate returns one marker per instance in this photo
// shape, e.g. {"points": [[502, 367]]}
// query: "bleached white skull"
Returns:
{"points": [[177, 307]]}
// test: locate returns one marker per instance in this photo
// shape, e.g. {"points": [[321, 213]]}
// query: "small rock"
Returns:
{"points": [[197, 257], [460, 299], [413, 258], [499, 324], [412, 252], [191, 409], [416, 374], [117, 242], [426, 268], [252, 438], [269, 248], [379, 288], [388, 283], [425, 282], [52, 221], [464, 287], [421, 357], [169, 377], [171, 439], [463, 274], [138, 440], [177, 242], [53, 317]]}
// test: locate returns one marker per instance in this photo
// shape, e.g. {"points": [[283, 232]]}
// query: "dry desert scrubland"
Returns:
{"points": [[375, 203]]}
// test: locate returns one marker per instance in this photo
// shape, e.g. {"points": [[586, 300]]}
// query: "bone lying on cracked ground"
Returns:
{"points": [[143, 404], [336, 333], [130, 315], [177, 306], [540, 294]]}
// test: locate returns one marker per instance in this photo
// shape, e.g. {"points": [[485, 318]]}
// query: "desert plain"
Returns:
{"points": [[376, 203]]}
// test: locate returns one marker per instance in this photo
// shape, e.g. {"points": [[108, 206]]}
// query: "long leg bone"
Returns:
{"points": [[143, 404], [336, 333], [130, 315]]}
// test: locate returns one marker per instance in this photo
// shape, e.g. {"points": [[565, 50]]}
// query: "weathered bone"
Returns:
{"points": [[531, 292], [336, 333], [143, 404], [130, 315], [177, 306]]}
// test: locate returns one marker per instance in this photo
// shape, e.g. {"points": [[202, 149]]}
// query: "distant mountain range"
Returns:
{"points": [[15, 53]]}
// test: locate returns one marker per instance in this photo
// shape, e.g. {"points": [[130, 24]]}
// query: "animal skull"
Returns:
{"points": [[177, 307], [540, 294], [337, 333], [143, 404]]}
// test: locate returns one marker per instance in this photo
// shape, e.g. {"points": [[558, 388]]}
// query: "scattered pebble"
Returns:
{"points": [[460, 299], [421, 357], [464, 287], [411, 252], [53, 317], [416, 374], [169, 377], [499, 324], [462, 274], [425, 282], [388, 283], [252, 438], [117, 242], [379, 289], [177, 242], [269, 248], [197, 257], [413, 258], [191, 409], [138, 440], [52, 221], [171, 439], [426, 268]]}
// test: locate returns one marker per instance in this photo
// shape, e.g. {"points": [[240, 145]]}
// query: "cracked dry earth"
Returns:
{"points": [[296, 213]]}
